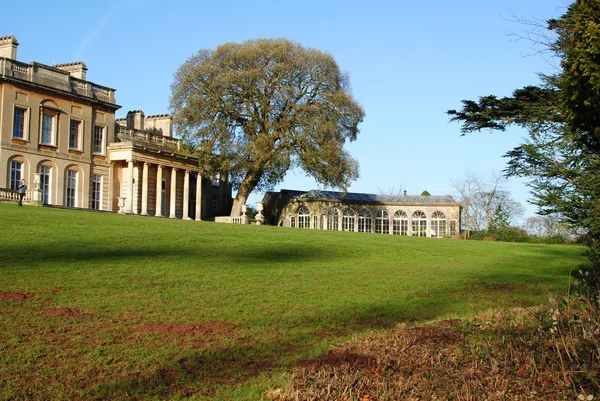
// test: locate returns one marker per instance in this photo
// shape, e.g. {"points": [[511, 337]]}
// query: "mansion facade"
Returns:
{"points": [[59, 133], [422, 216]]}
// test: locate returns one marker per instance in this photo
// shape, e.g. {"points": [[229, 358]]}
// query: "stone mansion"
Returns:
{"points": [[59, 133]]}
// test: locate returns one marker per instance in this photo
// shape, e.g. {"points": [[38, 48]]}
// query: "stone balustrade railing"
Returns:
{"points": [[12, 195], [133, 135], [54, 78]]}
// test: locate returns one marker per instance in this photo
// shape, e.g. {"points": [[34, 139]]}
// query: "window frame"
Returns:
{"points": [[400, 223], [303, 217], [52, 131], [24, 123], [102, 144], [439, 227], [96, 192], [416, 220], [45, 183], [365, 220], [14, 180], [382, 223], [71, 184], [348, 219], [79, 135], [333, 219]]}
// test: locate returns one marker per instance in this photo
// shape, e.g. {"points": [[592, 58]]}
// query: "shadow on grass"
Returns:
{"points": [[35, 255]]}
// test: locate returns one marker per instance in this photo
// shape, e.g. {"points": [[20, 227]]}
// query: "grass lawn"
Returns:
{"points": [[97, 305]]}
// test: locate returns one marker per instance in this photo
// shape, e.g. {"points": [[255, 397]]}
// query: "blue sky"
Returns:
{"points": [[408, 63]]}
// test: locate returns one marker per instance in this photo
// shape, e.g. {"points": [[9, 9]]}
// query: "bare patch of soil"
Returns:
{"points": [[208, 329], [64, 312], [12, 296]]}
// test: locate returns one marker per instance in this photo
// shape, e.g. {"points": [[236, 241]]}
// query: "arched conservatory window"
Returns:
{"points": [[365, 221], [303, 217], [419, 224], [438, 224], [348, 220], [333, 221], [400, 223], [382, 222]]}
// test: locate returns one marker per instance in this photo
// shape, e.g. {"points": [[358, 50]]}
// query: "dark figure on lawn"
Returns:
{"points": [[22, 189]]}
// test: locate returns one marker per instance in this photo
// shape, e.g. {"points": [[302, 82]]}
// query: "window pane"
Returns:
{"points": [[19, 123], [98, 146], [16, 170], [74, 134], [47, 128]]}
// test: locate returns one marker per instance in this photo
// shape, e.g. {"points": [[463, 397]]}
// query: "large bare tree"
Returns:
{"points": [[485, 202], [259, 108]]}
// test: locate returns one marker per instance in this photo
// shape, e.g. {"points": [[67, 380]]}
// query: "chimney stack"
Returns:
{"points": [[76, 70], [8, 47], [135, 120]]}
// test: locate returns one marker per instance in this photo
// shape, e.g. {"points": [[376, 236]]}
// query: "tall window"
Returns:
{"points": [[96, 201], [333, 221], [16, 173], [365, 221], [45, 183], [214, 205], [438, 224], [303, 217], [19, 123], [419, 224], [74, 134], [348, 219], [48, 125], [98, 145], [315, 222], [293, 221], [400, 223], [71, 188], [382, 222]]}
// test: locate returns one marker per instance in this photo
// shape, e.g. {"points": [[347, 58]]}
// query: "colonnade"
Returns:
{"points": [[173, 191]]}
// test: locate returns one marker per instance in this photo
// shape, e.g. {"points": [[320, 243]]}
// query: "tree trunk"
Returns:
{"points": [[248, 184]]}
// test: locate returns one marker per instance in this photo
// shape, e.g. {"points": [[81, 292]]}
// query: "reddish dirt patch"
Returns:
{"points": [[64, 312], [12, 296], [209, 329]]}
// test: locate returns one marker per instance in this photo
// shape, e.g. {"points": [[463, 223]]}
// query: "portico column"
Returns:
{"points": [[159, 171], [111, 178], [129, 206], [145, 189], [186, 195], [172, 214], [198, 197]]}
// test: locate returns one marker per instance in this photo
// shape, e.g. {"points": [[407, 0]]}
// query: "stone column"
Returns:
{"points": [[173, 202], [199, 197], [159, 171], [129, 205], [341, 220], [145, 189], [186, 195]]}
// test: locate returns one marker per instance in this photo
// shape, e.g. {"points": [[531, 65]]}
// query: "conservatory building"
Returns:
{"points": [[422, 216]]}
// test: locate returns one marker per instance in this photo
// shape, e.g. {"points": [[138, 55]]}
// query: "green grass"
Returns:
{"points": [[290, 293]]}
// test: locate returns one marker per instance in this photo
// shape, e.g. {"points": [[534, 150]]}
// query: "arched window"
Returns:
{"points": [[333, 221], [400, 223], [382, 222], [348, 220], [71, 188], [438, 224], [365, 221], [303, 217], [45, 170], [419, 224]]}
